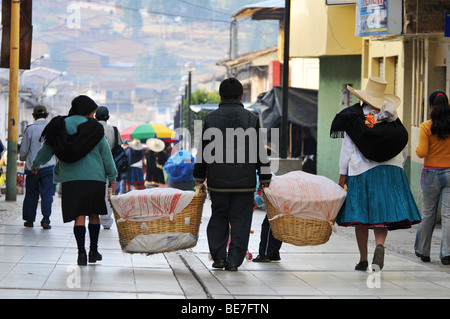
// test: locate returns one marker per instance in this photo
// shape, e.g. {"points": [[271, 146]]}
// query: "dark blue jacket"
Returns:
{"points": [[229, 156]]}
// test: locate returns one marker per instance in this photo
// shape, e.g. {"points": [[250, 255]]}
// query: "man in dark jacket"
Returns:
{"points": [[230, 153]]}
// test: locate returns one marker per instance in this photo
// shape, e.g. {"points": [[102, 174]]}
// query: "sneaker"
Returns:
{"points": [[275, 257], [261, 259]]}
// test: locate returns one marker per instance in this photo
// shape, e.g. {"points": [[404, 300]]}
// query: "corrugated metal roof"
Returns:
{"points": [[265, 10]]}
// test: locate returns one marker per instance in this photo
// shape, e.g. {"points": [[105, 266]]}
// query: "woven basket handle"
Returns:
{"points": [[200, 189]]}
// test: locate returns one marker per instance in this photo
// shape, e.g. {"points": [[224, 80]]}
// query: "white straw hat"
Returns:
{"points": [[155, 144], [136, 145], [375, 95]]}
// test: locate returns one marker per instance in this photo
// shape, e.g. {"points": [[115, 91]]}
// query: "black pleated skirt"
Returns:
{"points": [[82, 198]]}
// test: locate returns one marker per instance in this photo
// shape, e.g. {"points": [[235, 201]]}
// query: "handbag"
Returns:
{"points": [[120, 158]]}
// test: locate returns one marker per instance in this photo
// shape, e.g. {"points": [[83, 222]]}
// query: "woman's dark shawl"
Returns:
{"points": [[379, 143], [71, 148]]}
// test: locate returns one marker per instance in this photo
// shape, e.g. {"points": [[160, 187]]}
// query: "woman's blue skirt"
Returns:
{"points": [[135, 175], [380, 197]]}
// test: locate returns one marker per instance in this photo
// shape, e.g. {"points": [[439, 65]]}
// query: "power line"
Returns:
{"points": [[206, 8], [166, 14]]}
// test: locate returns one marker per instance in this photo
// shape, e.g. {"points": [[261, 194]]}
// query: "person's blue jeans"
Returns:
{"points": [[37, 185], [436, 185]]}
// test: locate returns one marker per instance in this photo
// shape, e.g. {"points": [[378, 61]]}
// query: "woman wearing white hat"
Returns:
{"points": [[371, 165], [135, 155], [155, 160]]}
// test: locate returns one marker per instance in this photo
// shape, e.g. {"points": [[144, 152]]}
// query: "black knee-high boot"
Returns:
{"points": [[94, 231], [80, 234]]}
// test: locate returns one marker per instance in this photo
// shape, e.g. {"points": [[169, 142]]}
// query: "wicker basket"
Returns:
{"points": [[297, 231], [130, 229]]}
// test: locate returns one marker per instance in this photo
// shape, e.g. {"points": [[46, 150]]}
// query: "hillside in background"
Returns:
{"points": [[167, 33], [138, 46]]}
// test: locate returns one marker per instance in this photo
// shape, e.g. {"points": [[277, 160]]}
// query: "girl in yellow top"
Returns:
{"points": [[434, 147]]}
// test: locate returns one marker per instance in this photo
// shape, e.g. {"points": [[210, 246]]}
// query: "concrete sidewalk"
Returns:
{"points": [[38, 263]]}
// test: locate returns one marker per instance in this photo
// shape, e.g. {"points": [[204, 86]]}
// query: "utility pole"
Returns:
{"points": [[233, 46], [13, 111], [285, 99]]}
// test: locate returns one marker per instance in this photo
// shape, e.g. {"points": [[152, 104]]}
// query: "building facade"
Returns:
{"points": [[409, 50]]}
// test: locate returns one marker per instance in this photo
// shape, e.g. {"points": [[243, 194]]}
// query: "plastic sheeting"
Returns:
{"points": [[302, 108], [306, 196], [150, 204]]}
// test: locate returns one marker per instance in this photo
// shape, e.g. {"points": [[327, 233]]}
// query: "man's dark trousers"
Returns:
{"points": [[35, 185], [234, 209]]}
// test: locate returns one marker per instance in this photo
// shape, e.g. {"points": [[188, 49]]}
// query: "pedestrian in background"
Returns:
{"points": [[434, 147], [40, 184], [135, 178], [84, 164], [269, 246], [102, 116], [155, 159], [2, 148], [231, 183], [371, 165]]}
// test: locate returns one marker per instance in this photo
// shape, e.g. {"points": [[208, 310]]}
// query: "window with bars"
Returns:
{"points": [[419, 92]]}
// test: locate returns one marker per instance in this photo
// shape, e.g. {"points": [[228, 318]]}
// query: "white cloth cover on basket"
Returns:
{"points": [[150, 204], [159, 243], [306, 196]]}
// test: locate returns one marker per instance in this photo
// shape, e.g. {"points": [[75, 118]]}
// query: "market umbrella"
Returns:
{"points": [[149, 130]]}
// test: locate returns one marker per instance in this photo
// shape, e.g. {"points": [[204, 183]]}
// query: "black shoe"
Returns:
{"points": [[445, 260], [231, 267], [378, 258], [219, 263], [261, 259], [82, 259], [28, 224], [94, 256], [425, 259], [362, 265], [275, 257], [46, 225]]}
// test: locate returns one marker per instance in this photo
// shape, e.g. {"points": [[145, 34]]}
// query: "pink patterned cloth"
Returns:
{"points": [[306, 196], [149, 204]]}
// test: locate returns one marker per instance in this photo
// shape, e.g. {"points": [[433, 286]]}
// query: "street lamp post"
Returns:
{"points": [[180, 100], [190, 66], [184, 94], [48, 83]]}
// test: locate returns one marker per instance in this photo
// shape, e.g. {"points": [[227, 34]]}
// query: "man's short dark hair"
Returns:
{"points": [[40, 112], [231, 89]]}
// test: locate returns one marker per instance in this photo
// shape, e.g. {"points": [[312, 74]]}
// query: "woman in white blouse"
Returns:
{"points": [[371, 166]]}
